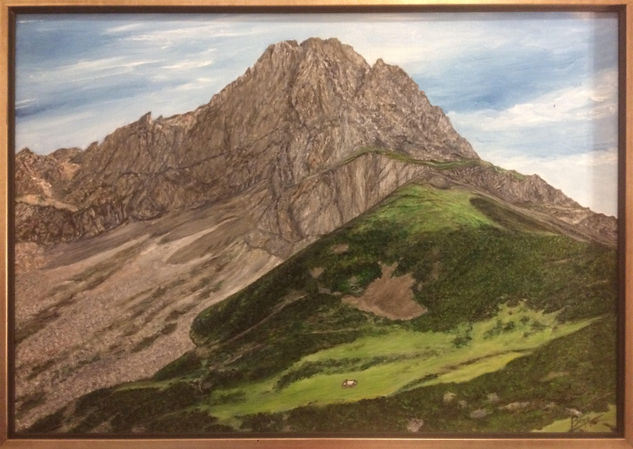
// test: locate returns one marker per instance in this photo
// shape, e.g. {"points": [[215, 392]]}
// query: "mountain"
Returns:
{"points": [[121, 245], [300, 110], [287, 126]]}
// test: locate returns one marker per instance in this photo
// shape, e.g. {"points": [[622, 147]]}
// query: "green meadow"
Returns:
{"points": [[396, 361]]}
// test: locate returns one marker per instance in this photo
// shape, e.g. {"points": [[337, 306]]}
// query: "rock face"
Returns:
{"points": [[39, 175]]}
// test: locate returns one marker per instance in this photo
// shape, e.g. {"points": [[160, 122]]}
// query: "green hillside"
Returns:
{"points": [[451, 311]]}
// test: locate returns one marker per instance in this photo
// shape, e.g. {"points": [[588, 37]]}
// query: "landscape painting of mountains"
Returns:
{"points": [[329, 224]]}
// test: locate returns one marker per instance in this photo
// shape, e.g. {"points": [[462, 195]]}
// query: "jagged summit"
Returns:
{"points": [[331, 48]]}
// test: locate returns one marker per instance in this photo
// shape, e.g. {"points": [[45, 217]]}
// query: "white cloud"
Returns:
{"points": [[37, 134], [423, 50], [25, 103], [197, 84], [188, 65], [169, 35], [43, 135], [567, 136], [124, 28], [90, 69], [595, 99]]}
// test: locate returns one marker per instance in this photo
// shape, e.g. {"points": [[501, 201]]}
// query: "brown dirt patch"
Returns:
{"points": [[389, 297], [341, 248], [316, 272]]}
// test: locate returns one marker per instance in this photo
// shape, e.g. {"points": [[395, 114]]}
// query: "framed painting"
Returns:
{"points": [[316, 225]]}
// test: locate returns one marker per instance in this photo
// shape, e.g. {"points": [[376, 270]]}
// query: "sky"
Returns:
{"points": [[535, 92]]}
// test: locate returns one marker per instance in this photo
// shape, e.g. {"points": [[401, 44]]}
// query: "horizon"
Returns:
{"points": [[532, 103]]}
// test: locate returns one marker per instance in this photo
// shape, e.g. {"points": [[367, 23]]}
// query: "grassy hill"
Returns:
{"points": [[452, 312]]}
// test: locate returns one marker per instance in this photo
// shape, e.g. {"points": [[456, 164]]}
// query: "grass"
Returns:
{"points": [[408, 356], [469, 238], [589, 386], [438, 210]]}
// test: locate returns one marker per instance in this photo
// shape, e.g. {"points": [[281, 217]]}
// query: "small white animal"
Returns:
{"points": [[349, 383]]}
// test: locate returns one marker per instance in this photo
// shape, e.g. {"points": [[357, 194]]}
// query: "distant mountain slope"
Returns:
{"points": [[495, 288]]}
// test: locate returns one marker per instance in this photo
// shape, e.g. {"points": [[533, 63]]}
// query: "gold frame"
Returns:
{"points": [[625, 8]]}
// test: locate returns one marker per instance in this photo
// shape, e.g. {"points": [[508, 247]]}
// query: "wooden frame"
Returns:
{"points": [[625, 7]]}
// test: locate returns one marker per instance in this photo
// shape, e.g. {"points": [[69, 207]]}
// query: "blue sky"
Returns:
{"points": [[536, 92]]}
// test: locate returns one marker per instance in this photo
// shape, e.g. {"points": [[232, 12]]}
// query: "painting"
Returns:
{"points": [[328, 223]]}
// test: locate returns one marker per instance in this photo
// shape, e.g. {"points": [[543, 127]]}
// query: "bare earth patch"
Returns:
{"points": [[389, 297], [316, 272], [341, 248]]}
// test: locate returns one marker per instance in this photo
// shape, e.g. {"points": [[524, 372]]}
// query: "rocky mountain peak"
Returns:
{"points": [[300, 111], [66, 154], [145, 119], [396, 75], [330, 49], [333, 50], [24, 152]]}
